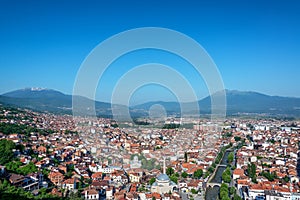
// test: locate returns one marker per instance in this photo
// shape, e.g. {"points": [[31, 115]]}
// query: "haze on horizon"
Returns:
{"points": [[255, 44]]}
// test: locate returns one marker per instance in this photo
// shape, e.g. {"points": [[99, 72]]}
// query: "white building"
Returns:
{"points": [[163, 184], [91, 194], [135, 163]]}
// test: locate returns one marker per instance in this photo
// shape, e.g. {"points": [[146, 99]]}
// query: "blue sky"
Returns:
{"points": [[255, 44]]}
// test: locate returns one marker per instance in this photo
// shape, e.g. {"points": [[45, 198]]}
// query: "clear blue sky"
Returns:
{"points": [[255, 44]]}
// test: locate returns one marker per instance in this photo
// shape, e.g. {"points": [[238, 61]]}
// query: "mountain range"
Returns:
{"points": [[238, 103]]}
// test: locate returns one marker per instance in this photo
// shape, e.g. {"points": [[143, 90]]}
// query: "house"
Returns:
{"points": [[237, 173], [29, 182], [91, 194], [195, 184], [119, 195], [109, 193], [134, 177], [69, 184], [16, 180], [95, 167], [38, 177], [97, 176], [257, 190], [56, 178], [273, 195], [107, 170], [42, 149], [100, 185], [243, 182]]}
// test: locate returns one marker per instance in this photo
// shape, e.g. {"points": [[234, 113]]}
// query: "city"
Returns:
{"points": [[149, 100], [52, 156]]}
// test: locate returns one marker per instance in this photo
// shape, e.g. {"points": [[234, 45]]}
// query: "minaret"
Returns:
{"points": [[164, 167]]}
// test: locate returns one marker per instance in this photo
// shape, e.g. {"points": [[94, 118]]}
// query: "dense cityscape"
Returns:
{"points": [[51, 156]]}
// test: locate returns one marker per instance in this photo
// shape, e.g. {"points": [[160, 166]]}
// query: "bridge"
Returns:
{"points": [[214, 173], [213, 184]]}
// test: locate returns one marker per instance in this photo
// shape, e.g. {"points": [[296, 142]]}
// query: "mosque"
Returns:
{"points": [[163, 184]]}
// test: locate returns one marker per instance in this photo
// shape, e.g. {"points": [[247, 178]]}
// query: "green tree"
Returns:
{"points": [[226, 198], [170, 171], [6, 147], [269, 176], [174, 179], [171, 126], [211, 169], [206, 174], [27, 169], [214, 165], [13, 166], [230, 157], [152, 180], [226, 176], [224, 185], [286, 179], [74, 196], [198, 173], [236, 197], [224, 193], [251, 169], [193, 191], [184, 174], [232, 190]]}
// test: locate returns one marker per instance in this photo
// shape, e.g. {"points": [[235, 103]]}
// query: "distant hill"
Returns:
{"points": [[35, 93], [254, 102], [40, 99], [238, 103]]}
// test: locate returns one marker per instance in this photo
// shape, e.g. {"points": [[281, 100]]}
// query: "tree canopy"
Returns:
{"points": [[6, 147], [184, 175], [198, 173], [226, 176], [170, 171], [152, 180], [230, 157], [252, 171]]}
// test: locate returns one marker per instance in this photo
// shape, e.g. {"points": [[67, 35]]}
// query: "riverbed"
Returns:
{"points": [[212, 193]]}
